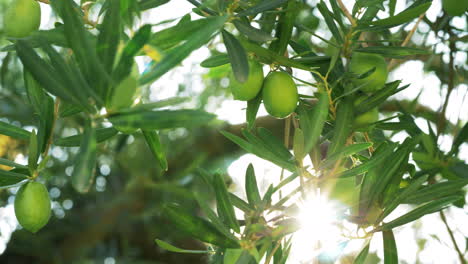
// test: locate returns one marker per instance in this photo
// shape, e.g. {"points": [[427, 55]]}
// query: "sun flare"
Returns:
{"points": [[319, 228]]}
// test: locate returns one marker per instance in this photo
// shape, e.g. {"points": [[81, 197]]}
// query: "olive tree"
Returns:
{"points": [[332, 135]]}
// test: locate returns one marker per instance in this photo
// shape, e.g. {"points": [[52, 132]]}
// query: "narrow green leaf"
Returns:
{"points": [[379, 97], [71, 79], [344, 152], [240, 204], [251, 187], [343, 125], [237, 57], [312, 123], [252, 33], [14, 131], [268, 56], [392, 6], [34, 92], [284, 28], [10, 163], [223, 203], [83, 172], [328, 16], [102, 134], [171, 248], [215, 219], [66, 109], [461, 137], [364, 167], [405, 16], [264, 5], [161, 119], [394, 51], [170, 37], [131, 49], [378, 177], [361, 257], [42, 71], [215, 61], [232, 255], [435, 191], [419, 212], [252, 110], [55, 36], [197, 227], [390, 248], [8, 178], [275, 144], [152, 139], [149, 4], [153, 105], [109, 35], [176, 56], [33, 153], [264, 149], [80, 42], [259, 150], [393, 203]]}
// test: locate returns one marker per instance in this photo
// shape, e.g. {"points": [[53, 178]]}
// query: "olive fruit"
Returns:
{"points": [[124, 93], [363, 62], [280, 95], [363, 120], [344, 190], [455, 7], [248, 90], [367, 118], [22, 18], [32, 206]]}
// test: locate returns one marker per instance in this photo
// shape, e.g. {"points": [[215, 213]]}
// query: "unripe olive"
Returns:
{"points": [[22, 18], [455, 7], [124, 92], [344, 190], [307, 19], [363, 62], [373, 214], [280, 95], [248, 90], [363, 121], [32, 206]]}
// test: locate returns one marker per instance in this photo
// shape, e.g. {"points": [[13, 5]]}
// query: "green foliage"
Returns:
{"points": [[84, 97]]}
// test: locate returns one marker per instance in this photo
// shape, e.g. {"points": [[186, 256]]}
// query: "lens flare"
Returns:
{"points": [[319, 229]]}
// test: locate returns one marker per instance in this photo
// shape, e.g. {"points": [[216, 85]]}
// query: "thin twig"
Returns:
{"points": [[441, 123], [407, 39], [460, 254], [347, 14], [44, 1]]}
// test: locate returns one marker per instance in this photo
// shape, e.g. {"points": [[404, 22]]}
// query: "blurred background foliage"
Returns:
{"points": [[121, 216]]}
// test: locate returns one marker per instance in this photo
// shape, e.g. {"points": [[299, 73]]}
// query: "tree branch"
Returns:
{"points": [[452, 237]]}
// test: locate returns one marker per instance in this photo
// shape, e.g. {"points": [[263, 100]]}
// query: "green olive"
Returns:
{"points": [[22, 18], [32, 206], [343, 190], [373, 214], [363, 121], [248, 90], [307, 19], [280, 95], [124, 92], [363, 62], [455, 7]]}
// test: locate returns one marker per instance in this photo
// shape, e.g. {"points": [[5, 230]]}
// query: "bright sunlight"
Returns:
{"points": [[320, 229]]}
